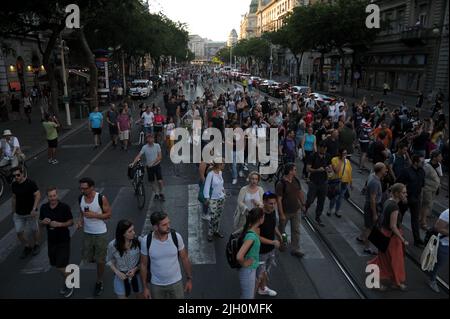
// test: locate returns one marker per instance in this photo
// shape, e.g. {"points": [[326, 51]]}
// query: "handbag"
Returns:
{"points": [[300, 153], [378, 239]]}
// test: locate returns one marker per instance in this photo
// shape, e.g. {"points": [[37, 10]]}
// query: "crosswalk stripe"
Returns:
{"points": [[349, 231], [9, 242], [307, 244], [200, 251]]}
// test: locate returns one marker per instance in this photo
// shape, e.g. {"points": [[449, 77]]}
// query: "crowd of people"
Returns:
{"points": [[403, 154]]}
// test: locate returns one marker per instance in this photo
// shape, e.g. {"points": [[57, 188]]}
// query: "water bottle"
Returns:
{"points": [[285, 238]]}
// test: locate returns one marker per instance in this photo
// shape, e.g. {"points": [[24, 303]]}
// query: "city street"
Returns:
{"points": [[317, 275]]}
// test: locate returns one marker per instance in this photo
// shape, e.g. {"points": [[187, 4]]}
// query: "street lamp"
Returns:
{"points": [[271, 62]]}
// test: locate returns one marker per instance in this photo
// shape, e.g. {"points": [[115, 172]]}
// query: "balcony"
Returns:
{"points": [[415, 36]]}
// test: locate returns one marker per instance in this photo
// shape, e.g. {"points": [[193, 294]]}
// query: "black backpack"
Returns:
{"points": [[371, 150], [173, 233], [233, 245]]}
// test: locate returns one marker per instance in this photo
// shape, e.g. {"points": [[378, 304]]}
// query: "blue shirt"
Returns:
{"points": [[96, 119]]}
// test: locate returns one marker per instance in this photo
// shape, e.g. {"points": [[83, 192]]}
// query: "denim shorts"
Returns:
{"points": [[119, 286]]}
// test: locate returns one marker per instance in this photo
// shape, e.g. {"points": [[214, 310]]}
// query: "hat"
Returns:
{"points": [[7, 133]]}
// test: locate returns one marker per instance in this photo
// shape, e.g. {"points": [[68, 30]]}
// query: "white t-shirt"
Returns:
{"points": [[148, 118], [444, 217], [248, 199], [8, 147], [214, 181], [164, 264]]}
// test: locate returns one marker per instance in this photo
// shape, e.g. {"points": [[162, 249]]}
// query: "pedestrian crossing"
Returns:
{"points": [[201, 252]]}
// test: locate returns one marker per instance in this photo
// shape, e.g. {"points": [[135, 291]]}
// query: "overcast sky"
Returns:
{"points": [[212, 19]]}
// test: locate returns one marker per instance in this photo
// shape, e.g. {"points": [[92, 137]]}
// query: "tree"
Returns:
{"points": [[224, 55]]}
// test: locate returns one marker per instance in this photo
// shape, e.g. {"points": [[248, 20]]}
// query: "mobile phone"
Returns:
{"points": [[86, 209]]}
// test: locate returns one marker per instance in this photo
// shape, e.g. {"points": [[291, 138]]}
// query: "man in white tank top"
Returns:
{"points": [[94, 209]]}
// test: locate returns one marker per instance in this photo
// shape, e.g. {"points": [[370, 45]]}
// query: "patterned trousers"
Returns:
{"points": [[216, 208]]}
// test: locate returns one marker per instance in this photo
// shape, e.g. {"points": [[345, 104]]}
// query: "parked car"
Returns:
{"points": [[141, 88], [255, 80], [297, 90], [321, 98], [264, 85]]}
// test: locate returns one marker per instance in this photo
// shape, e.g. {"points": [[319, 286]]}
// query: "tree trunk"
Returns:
{"points": [[90, 61], [299, 64], [341, 70]]}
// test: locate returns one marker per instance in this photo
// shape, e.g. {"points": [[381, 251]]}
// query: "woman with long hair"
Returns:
{"points": [[392, 261], [309, 147], [123, 258], [341, 181], [250, 196], [248, 254], [214, 194]]}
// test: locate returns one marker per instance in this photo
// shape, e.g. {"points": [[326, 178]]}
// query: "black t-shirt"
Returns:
{"points": [[389, 207], [267, 230], [321, 132], [420, 142], [378, 149], [316, 161], [61, 213], [172, 109], [265, 107], [183, 107], [332, 147], [24, 196]]}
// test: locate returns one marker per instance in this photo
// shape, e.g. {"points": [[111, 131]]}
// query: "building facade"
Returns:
{"points": [[249, 22], [411, 53], [232, 38], [20, 65], [211, 48]]}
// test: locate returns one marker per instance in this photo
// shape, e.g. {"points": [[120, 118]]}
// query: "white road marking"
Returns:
{"points": [[201, 252], [96, 157]]}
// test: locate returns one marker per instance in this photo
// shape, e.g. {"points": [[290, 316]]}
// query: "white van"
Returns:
{"points": [[141, 88]]}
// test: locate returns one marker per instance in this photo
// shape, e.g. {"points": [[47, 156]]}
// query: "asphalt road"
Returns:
{"points": [[315, 276]]}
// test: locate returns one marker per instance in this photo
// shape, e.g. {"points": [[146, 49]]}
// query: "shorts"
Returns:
{"points": [[97, 131], [94, 247], [148, 130], [157, 129], [119, 286], [267, 261], [124, 135], [52, 143], [25, 223], [59, 254], [364, 147], [427, 199], [113, 130], [154, 172]]}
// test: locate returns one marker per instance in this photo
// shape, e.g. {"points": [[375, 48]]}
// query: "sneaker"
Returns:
{"points": [[234, 182], [63, 290], [401, 287], [359, 240], [241, 174], [297, 253], [338, 214], [36, 250], [25, 253], [206, 217], [433, 285], [162, 198], [217, 234], [98, 288], [69, 292], [267, 292], [55, 162], [329, 213], [210, 238], [370, 252], [245, 167], [319, 222], [50, 161], [156, 197]]}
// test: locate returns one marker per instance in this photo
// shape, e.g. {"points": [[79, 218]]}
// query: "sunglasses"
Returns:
{"points": [[84, 188], [17, 175]]}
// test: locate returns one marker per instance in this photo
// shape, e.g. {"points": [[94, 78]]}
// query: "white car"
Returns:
{"points": [[141, 88]]}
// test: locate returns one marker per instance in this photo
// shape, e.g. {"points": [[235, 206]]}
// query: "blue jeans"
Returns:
{"points": [[337, 199], [247, 278], [148, 130], [234, 167], [442, 257]]}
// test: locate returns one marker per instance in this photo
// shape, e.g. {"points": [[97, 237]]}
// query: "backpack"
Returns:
{"points": [[233, 245], [100, 200], [173, 233]]}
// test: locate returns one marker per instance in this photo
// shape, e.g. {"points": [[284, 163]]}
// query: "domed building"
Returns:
{"points": [[232, 38]]}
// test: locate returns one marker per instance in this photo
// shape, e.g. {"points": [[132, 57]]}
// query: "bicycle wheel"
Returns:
{"points": [[140, 195]]}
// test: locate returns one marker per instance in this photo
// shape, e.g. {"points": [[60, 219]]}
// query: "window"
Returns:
{"points": [[423, 12], [400, 20]]}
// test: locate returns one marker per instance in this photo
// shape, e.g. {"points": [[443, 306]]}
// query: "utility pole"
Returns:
{"points": [[123, 74], [271, 62], [65, 97]]}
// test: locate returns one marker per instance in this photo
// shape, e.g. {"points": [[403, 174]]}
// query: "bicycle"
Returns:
{"points": [[138, 183], [277, 175], [6, 176]]}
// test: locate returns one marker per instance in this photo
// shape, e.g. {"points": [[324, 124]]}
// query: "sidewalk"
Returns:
{"points": [[32, 136]]}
